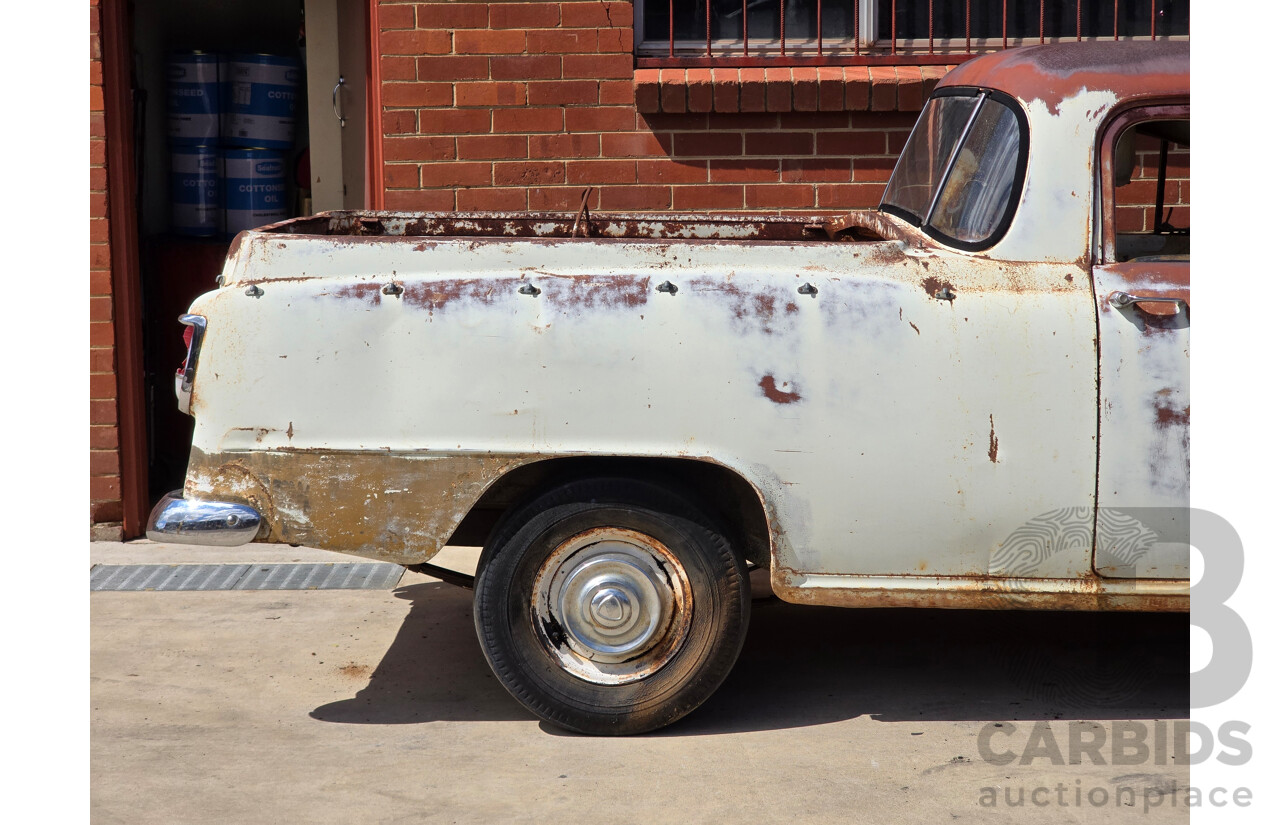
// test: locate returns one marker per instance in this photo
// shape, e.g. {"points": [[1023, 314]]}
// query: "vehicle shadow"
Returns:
{"points": [[432, 671], [804, 666]]}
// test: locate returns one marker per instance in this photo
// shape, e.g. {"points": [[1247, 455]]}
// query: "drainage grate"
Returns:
{"points": [[140, 577]]}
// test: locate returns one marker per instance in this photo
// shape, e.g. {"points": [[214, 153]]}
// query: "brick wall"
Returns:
{"points": [[514, 105], [104, 455], [1135, 202]]}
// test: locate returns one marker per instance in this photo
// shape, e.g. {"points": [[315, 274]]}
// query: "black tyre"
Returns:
{"points": [[610, 606]]}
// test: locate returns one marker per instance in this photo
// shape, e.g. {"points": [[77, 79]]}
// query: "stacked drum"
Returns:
{"points": [[231, 119]]}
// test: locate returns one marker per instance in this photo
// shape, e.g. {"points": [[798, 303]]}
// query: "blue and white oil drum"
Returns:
{"points": [[193, 98], [194, 193], [261, 100], [253, 188]]}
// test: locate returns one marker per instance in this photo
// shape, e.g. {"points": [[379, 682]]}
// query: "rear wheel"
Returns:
{"points": [[610, 607]]}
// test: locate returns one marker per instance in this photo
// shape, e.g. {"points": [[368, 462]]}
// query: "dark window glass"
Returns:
{"points": [[800, 16], [988, 18], [983, 20]]}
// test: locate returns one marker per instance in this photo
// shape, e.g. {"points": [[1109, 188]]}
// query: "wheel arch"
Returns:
{"points": [[719, 491]]}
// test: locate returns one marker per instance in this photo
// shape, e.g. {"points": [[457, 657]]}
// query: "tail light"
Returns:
{"points": [[192, 336]]}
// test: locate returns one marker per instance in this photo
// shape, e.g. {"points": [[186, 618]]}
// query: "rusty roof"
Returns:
{"points": [[1130, 68]]}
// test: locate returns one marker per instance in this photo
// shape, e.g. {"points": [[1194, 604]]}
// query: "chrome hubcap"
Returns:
{"points": [[612, 606]]}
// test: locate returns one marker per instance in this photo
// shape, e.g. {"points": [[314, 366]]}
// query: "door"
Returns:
{"points": [[337, 43], [1143, 290]]}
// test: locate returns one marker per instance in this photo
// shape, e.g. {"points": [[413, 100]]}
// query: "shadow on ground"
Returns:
{"points": [[813, 665]]}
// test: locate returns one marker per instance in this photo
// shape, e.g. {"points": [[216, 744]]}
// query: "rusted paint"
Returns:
{"points": [[437, 295], [233, 251], [369, 293], [1168, 417], [1053, 73], [604, 225], [1145, 427], [591, 293], [868, 225], [753, 309], [993, 443], [988, 593], [398, 507], [933, 285], [776, 394]]}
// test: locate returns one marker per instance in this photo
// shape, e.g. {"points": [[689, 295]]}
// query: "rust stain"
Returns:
{"points": [[776, 394], [1169, 417], [280, 279], [596, 292], [986, 599], [747, 307], [354, 671], [933, 285], [289, 432], [916, 328], [367, 292], [259, 433], [436, 295], [234, 249], [977, 592], [994, 444]]}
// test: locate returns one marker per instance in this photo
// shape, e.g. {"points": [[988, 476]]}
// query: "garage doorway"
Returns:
{"points": [[319, 52]]}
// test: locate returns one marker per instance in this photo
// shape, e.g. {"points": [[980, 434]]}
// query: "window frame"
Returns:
{"points": [[1104, 251], [656, 53], [1019, 176]]}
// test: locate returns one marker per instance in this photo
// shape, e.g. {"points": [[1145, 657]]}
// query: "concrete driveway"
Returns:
{"points": [[377, 706]]}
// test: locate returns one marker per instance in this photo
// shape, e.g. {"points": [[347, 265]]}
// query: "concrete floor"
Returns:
{"points": [[377, 706]]}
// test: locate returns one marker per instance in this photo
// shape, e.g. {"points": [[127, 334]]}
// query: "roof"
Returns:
{"points": [[1129, 68]]}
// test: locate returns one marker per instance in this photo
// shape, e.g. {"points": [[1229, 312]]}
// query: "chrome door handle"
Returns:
{"points": [[1120, 300], [342, 120]]}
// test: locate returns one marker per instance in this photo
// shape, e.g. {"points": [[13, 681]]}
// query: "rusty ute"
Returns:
{"points": [[974, 397]]}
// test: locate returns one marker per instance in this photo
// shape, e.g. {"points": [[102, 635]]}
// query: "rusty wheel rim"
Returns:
{"points": [[612, 606]]}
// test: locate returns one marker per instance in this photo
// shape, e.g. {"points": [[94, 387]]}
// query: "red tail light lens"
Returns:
{"points": [[188, 335]]}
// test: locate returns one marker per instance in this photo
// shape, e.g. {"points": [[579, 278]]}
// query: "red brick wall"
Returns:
{"points": [[515, 105], [104, 455], [1135, 202]]}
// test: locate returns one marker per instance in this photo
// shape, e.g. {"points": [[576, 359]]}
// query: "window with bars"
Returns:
{"points": [[729, 32]]}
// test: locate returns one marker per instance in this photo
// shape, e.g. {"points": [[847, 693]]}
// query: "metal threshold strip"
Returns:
{"points": [[186, 577]]}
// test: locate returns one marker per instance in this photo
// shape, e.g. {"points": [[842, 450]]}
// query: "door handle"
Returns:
{"points": [[1120, 300], [342, 120]]}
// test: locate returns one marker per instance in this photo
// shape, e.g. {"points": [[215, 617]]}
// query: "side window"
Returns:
{"points": [[1151, 166], [960, 175]]}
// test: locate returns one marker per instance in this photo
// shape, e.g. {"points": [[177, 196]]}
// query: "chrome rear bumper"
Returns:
{"points": [[192, 521]]}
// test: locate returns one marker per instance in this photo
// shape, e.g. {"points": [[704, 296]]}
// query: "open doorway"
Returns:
{"points": [[239, 113]]}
